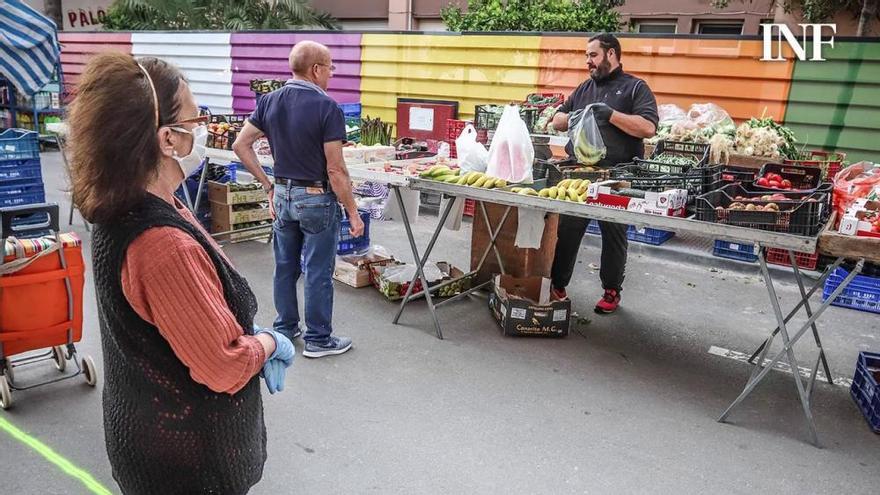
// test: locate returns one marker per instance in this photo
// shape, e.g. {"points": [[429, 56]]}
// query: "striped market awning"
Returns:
{"points": [[29, 48]]}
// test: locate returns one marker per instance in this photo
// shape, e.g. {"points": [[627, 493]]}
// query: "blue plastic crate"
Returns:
{"points": [[19, 144], [733, 251], [351, 110], [347, 243], [20, 169], [654, 237], [22, 193], [863, 293], [865, 390]]}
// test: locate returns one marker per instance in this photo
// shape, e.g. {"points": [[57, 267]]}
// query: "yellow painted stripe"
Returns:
{"points": [[472, 70]]}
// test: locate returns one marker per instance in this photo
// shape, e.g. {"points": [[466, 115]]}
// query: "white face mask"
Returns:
{"points": [[191, 162]]}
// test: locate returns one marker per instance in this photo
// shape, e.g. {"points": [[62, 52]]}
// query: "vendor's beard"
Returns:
{"points": [[602, 70]]}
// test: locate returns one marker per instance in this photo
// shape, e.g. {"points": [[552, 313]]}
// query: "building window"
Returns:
{"points": [[720, 28], [655, 27]]}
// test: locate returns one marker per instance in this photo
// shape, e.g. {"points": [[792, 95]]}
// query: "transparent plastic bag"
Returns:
{"points": [[670, 113], [586, 139], [511, 155], [472, 155], [402, 274]]}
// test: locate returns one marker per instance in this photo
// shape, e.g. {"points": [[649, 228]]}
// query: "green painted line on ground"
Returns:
{"points": [[44, 450]]}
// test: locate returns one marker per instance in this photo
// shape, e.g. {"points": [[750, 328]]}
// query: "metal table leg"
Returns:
{"points": [[61, 141], [420, 261], [803, 302], [788, 348]]}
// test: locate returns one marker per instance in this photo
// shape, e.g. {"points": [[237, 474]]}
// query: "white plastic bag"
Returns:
{"points": [[472, 155], [589, 147], [511, 155]]}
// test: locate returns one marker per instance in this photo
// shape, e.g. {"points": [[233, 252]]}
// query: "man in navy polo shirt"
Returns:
{"points": [[305, 128], [626, 111]]}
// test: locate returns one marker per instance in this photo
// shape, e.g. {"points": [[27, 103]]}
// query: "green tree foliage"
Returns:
{"points": [[534, 15], [237, 15], [818, 11]]}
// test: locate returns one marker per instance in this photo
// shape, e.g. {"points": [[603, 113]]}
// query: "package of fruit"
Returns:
{"points": [[589, 147], [857, 181], [511, 154]]}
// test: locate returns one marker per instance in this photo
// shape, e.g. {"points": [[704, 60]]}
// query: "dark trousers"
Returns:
{"points": [[614, 246]]}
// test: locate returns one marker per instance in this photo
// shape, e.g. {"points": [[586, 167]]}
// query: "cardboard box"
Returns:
{"points": [[367, 154], [355, 270], [859, 219], [223, 193], [518, 262], [670, 203], [395, 291], [225, 214], [523, 307], [242, 236]]}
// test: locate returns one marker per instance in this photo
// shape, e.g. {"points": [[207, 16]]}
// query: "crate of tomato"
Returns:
{"points": [[774, 176]]}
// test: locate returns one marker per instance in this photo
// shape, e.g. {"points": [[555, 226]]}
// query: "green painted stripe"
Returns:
{"points": [[833, 105], [50, 455]]}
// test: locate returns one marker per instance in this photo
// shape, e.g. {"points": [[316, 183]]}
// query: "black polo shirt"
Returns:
{"points": [[624, 93]]}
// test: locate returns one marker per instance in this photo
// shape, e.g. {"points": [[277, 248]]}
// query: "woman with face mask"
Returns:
{"points": [[182, 406]]}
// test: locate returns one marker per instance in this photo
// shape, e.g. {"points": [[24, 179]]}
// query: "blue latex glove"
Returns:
{"points": [[275, 368]]}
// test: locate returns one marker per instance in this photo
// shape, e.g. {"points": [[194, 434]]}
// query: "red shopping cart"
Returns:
{"points": [[41, 298]]}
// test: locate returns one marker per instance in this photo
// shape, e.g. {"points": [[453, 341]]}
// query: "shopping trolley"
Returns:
{"points": [[41, 298]]}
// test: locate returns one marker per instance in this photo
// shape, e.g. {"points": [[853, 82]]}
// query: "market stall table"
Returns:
{"points": [[788, 242]]}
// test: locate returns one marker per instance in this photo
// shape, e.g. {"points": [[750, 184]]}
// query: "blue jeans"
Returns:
{"points": [[306, 228]]}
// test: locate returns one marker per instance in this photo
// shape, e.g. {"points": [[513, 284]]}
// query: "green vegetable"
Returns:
{"points": [[374, 131], [789, 148]]}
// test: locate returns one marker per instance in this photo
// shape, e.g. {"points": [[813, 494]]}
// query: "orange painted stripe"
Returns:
{"points": [[682, 71]]}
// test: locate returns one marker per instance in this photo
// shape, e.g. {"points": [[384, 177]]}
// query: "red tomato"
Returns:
{"points": [[763, 182], [786, 184], [774, 184]]}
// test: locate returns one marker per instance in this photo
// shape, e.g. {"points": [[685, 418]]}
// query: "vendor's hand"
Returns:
{"points": [[357, 225], [274, 372], [602, 112]]}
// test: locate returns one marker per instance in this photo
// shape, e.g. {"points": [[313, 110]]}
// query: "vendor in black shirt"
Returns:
{"points": [[626, 112]]}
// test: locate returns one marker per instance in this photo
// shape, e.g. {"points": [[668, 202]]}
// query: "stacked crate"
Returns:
{"points": [[21, 177], [238, 207]]}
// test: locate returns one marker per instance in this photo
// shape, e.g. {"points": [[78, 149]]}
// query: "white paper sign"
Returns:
{"points": [[421, 119]]}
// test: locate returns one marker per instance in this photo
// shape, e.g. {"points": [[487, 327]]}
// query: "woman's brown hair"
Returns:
{"points": [[114, 148]]}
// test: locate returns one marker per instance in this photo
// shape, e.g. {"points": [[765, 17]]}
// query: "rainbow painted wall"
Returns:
{"points": [[831, 105]]}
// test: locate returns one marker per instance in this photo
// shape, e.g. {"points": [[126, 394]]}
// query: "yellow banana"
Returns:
{"points": [[554, 191], [564, 184], [480, 181], [515, 189], [462, 180], [474, 178], [544, 193], [500, 183]]}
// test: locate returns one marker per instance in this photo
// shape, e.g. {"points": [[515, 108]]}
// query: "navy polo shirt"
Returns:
{"points": [[297, 122], [624, 93]]}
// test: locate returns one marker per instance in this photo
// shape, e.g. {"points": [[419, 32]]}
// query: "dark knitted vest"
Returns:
{"points": [[165, 433]]}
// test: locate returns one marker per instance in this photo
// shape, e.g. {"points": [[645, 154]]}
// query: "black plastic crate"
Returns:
{"points": [[805, 179], [557, 173], [697, 181], [485, 118], [699, 152], [801, 214], [865, 390], [732, 174]]}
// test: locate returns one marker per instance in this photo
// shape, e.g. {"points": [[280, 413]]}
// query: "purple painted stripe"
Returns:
{"points": [[280, 52], [264, 55], [290, 39]]}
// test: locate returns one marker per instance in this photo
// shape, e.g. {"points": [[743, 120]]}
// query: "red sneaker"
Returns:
{"points": [[558, 294], [609, 302]]}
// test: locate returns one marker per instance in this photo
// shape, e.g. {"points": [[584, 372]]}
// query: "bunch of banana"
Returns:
{"points": [[441, 173], [479, 179], [525, 191], [567, 190]]}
